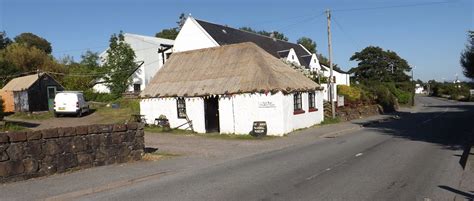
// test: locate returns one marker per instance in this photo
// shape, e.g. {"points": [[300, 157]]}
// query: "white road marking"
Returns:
{"points": [[359, 154]]}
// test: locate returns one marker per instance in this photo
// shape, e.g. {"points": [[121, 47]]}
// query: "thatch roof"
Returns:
{"points": [[229, 69], [21, 83]]}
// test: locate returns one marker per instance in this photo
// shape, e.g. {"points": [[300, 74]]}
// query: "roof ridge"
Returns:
{"points": [[246, 31]]}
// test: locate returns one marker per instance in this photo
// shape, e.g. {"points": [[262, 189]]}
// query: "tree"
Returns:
{"points": [[120, 65], [168, 33], [467, 57], [27, 59], [32, 40], [172, 33], [273, 34], [4, 40], [376, 64], [82, 76], [307, 43]]}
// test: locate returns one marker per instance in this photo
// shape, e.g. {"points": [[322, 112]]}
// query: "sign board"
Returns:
{"points": [[472, 92], [340, 101], [259, 128], [266, 104]]}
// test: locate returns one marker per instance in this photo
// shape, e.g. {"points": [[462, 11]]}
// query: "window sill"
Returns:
{"points": [[298, 112], [312, 110]]}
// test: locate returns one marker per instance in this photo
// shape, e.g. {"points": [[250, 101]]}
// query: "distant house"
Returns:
{"points": [[197, 34], [227, 89], [146, 50], [30, 93]]}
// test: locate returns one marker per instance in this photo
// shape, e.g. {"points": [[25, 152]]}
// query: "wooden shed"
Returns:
{"points": [[30, 93]]}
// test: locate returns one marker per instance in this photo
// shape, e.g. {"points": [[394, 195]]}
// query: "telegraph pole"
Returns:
{"points": [[330, 84]]}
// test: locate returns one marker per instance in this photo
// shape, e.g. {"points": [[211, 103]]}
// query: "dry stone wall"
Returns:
{"points": [[25, 155], [351, 113]]}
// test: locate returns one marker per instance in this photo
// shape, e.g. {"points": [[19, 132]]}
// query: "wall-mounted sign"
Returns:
{"points": [[266, 104], [259, 128]]}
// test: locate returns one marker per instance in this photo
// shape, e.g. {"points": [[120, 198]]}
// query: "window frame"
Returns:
{"points": [[312, 102], [298, 103], [181, 106]]}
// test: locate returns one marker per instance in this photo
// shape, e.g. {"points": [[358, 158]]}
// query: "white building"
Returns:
{"points": [[146, 51], [197, 34], [419, 89], [228, 88]]}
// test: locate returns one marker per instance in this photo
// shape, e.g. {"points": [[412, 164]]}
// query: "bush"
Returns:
{"points": [[351, 94], [89, 95]]}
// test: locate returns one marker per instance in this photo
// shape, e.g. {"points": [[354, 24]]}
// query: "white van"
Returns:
{"points": [[70, 102]]}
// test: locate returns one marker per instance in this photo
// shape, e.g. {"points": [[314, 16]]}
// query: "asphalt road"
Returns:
{"points": [[413, 158]]}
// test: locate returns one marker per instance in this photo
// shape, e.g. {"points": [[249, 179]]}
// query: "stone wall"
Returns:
{"points": [[351, 113], [25, 155]]}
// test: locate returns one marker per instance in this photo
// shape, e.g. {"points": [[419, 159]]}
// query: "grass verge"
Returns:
{"points": [[158, 155], [158, 130], [121, 114], [32, 116], [12, 126], [328, 121]]}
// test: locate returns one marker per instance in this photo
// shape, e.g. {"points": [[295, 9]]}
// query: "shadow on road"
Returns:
{"points": [[450, 126], [467, 195]]}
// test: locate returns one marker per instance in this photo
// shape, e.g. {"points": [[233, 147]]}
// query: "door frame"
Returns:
{"points": [[51, 106], [207, 104]]}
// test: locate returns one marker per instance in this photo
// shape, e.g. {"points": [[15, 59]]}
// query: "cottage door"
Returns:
{"points": [[211, 110], [51, 95]]}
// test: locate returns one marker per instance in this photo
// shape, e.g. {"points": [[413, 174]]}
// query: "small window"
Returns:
{"points": [[181, 105], [297, 104], [312, 102], [136, 87], [293, 57]]}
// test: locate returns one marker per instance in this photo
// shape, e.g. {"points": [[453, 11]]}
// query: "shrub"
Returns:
{"points": [[99, 97], [352, 94]]}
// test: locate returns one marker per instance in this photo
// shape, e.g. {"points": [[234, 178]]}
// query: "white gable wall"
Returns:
{"points": [[192, 36], [146, 50], [292, 57]]}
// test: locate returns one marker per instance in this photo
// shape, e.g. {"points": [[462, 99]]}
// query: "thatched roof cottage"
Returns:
{"points": [[226, 89]]}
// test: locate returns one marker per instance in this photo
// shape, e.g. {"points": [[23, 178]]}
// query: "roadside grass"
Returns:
{"points": [[12, 126], [32, 116], [121, 114], [159, 130], [159, 155], [328, 121]]}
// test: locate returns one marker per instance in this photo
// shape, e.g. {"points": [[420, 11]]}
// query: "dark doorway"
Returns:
{"points": [[211, 114]]}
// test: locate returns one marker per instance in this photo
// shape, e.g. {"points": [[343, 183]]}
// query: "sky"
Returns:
{"points": [[429, 34]]}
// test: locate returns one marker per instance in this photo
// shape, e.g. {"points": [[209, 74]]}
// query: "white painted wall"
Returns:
{"points": [[192, 36], [306, 119], [146, 50], [152, 108], [237, 113], [244, 109], [292, 57]]}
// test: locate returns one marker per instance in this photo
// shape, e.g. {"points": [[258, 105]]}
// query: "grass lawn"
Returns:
{"points": [[328, 121], [32, 116], [126, 107]]}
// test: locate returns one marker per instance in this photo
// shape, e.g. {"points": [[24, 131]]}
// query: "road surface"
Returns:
{"points": [[415, 157]]}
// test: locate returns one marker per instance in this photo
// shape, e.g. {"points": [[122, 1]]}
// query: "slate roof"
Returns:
{"points": [[225, 35]]}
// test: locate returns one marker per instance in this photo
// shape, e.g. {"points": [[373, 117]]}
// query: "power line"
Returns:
{"points": [[354, 42], [393, 6], [313, 17]]}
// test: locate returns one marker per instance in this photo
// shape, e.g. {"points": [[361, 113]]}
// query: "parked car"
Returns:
{"points": [[70, 102]]}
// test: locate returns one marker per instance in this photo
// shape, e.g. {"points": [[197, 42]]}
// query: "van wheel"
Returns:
{"points": [[56, 114], [79, 114]]}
